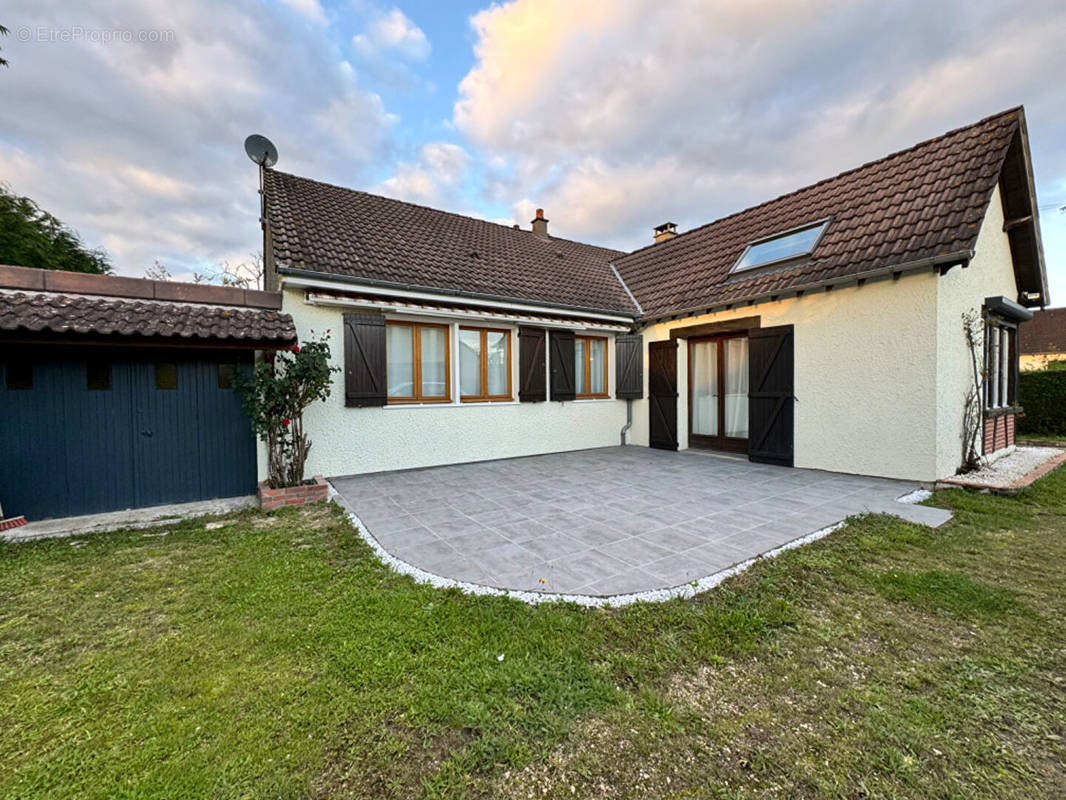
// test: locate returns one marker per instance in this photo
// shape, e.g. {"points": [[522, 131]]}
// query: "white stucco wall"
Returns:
{"points": [[865, 363], [881, 370], [347, 441], [990, 274]]}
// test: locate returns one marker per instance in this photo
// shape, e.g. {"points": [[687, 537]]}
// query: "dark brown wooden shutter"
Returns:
{"points": [[365, 378], [562, 364], [629, 367], [662, 394], [770, 395], [532, 375]]}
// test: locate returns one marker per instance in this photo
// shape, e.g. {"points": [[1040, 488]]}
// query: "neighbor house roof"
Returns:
{"points": [[921, 205], [50, 305], [1044, 333], [342, 232]]}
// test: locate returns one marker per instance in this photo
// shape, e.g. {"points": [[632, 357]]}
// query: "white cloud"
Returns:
{"points": [[311, 9], [139, 146], [392, 30], [616, 116], [432, 179]]}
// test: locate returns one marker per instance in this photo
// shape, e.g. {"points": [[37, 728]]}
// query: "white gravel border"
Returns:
{"points": [[917, 496], [685, 590]]}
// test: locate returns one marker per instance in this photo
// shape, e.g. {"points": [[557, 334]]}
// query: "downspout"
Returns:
{"points": [[629, 400]]}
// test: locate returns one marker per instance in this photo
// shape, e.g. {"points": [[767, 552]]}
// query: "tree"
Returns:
{"points": [[31, 237], [3, 32], [275, 396], [245, 275]]}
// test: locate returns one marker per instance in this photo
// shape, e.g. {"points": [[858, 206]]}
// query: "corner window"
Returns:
{"points": [[590, 366], [484, 364], [1001, 359], [18, 376], [781, 247], [417, 362]]}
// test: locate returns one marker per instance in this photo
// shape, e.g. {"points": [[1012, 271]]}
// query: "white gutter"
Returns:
{"points": [[446, 299], [311, 298]]}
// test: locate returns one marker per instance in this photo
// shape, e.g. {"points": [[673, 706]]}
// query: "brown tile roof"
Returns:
{"points": [[1044, 333], [921, 203], [74, 315], [324, 228]]}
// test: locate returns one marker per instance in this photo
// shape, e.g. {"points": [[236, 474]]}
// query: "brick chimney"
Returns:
{"points": [[668, 230], [540, 224]]}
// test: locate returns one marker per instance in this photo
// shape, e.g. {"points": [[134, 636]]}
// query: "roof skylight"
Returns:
{"points": [[781, 247]]}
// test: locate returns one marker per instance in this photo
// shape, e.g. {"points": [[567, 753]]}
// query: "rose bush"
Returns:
{"points": [[275, 395]]}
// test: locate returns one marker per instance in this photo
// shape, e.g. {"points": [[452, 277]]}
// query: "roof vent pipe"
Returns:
{"points": [[668, 230], [539, 223]]}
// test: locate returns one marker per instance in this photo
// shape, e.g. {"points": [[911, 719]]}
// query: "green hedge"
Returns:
{"points": [[1042, 393]]}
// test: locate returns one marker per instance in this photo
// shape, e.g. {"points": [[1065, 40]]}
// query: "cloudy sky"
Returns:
{"points": [[126, 118]]}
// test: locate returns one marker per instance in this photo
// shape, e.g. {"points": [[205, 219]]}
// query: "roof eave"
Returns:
{"points": [[940, 262], [368, 283]]}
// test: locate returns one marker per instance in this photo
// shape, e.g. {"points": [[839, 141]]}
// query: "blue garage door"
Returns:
{"points": [[95, 429]]}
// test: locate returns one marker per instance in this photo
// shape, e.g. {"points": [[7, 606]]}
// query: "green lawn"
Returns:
{"points": [[275, 657]]}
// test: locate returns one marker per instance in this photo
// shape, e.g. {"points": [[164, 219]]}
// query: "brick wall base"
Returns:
{"points": [[271, 499], [998, 433]]}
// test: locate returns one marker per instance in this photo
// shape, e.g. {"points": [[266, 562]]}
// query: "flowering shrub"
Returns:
{"points": [[275, 395]]}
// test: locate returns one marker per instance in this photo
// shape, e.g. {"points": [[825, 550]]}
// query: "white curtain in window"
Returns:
{"points": [[597, 365], [434, 373], [736, 388], [705, 388], [579, 366], [399, 353], [498, 366], [470, 362]]}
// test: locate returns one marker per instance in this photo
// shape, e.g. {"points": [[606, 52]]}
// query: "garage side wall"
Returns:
{"points": [[990, 274], [348, 441], [865, 376]]}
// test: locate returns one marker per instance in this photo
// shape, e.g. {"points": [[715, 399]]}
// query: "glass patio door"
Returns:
{"points": [[718, 393]]}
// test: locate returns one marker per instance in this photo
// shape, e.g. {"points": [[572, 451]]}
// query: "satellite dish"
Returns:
{"points": [[261, 150]]}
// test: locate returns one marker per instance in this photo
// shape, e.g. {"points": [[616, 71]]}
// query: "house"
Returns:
{"points": [[822, 329], [118, 392], [1043, 339]]}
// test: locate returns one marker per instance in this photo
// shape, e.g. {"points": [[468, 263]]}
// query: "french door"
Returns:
{"points": [[718, 392]]}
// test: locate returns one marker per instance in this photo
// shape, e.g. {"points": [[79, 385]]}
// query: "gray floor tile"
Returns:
{"points": [[635, 550], [653, 519], [524, 530], [555, 545]]}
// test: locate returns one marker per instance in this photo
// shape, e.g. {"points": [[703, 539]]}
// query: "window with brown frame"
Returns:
{"points": [[484, 364], [590, 366], [418, 367]]}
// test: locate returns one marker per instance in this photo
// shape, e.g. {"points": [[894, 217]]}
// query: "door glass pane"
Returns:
{"points": [[705, 388], [434, 374], [166, 376], [19, 376], [579, 366], [470, 362], [399, 352], [98, 376], [736, 388], [597, 365], [498, 366]]}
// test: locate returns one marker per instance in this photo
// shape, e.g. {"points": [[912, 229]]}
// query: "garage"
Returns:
{"points": [[119, 393]]}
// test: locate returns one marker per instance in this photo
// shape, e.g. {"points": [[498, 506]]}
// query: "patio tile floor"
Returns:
{"points": [[609, 521]]}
